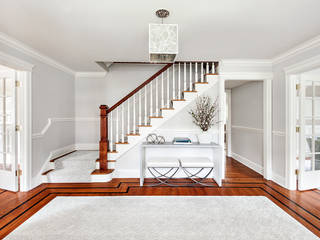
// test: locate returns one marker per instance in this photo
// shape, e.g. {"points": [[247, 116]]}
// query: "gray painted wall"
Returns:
{"points": [[247, 123], [52, 97]]}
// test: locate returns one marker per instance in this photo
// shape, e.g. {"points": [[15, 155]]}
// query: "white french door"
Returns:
{"points": [[309, 138], [8, 149]]}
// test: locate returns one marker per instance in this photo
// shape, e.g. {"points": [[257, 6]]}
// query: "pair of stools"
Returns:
{"points": [[165, 168]]}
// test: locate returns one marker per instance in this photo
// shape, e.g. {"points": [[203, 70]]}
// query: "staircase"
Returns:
{"points": [[131, 119], [146, 108]]}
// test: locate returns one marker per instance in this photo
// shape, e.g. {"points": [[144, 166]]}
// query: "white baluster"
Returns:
{"points": [[179, 82], [207, 68], [111, 132], [168, 88], [213, 70], [134, 115], [118, 122], [173, 83], [196, 73], [128, 119], [162, 91], [122, 122], [185, 76], [151, 102], [201, 72], [157, 96], [190, 80], [145, 106], [140, 108]]}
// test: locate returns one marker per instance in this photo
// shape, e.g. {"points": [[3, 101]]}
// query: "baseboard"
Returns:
{"points": [[254, 166], [278, 179], [87, 146], [126, 173]]}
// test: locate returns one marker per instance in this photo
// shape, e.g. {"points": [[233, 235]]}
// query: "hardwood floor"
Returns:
{"points": [[15, 208]]}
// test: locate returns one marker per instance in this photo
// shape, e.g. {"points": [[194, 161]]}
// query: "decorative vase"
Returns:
{"points": [[205, 138]]}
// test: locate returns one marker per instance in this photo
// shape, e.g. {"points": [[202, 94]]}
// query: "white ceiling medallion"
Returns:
{"points": [[163, 40]]}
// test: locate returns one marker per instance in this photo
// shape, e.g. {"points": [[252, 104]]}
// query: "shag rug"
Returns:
{"points": [[164, 217]]}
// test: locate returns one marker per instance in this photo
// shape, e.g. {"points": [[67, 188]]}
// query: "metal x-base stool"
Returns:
{"points": [[172, 166]]}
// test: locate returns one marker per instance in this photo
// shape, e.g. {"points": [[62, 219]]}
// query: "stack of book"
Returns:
{"points": [[181, 140]]}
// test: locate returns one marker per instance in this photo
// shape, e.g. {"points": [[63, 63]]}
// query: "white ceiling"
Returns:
{"points": [[77, 33]]}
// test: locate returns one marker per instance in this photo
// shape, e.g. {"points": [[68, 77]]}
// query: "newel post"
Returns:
{"points": [[104, 141]]}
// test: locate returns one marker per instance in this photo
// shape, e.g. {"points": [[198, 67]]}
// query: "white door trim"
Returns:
{"points": [[267, 112], [292, 73], [25, 102], [229, 123]]}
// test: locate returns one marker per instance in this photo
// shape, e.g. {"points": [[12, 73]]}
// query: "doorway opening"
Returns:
{"points": [[244, 133]]}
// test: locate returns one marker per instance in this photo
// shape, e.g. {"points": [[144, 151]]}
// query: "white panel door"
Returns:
{"points": [[309, 143], [8, 161]]}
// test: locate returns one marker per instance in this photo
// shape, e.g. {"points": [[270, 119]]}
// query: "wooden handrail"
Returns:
{"points": [[140, 87]]}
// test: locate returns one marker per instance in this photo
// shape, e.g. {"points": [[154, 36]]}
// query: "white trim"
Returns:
{"points": [[292, 73], [267, 128], [301, 48], [49, 123], [229, 124], [90, 74], [249, 76], [15, 63], [254, 166], [257, 130], [303, 66], [87, 119], [11, 42]]}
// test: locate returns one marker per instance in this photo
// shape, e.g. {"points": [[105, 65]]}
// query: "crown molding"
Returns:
{"points": [[90, 74], [303, 47], [11, 42]]}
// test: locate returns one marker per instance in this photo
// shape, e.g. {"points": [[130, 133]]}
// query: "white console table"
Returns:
{"points": [[212, 151]]}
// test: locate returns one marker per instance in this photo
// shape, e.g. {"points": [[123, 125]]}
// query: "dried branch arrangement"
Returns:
{"points": [[205, 113]]}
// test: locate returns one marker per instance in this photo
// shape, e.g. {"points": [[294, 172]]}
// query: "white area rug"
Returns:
{"points": [[162, 217]]}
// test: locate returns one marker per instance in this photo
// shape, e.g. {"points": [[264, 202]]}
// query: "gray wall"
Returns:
{"points": [[92, 92], [52, 97], [247, 124]]}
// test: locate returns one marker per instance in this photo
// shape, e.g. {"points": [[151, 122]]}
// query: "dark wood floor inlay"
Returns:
{"points": [[15, 208]]}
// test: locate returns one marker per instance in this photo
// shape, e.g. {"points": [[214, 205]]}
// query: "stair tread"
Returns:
{"points": [[155, 117], [178, 100], [102, 172], [144, 125], [201, 83], [122, 143], [191, 91], [167, 108], [133, 134]]}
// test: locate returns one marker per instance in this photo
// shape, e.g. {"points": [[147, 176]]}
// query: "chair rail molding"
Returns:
{"points": [[11, 42], [50, 121], [303, 47], [257, 130]]}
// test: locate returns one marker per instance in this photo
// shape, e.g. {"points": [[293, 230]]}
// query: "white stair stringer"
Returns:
{"points": [[167, 114]]}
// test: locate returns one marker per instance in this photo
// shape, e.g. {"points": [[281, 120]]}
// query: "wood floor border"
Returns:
{"points": [[54, 191]]}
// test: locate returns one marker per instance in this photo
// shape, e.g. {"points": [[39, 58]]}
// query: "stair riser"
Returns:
{"points": [[202, 87], [156, 121], [111, 165], [189, 96], [177, 105]]}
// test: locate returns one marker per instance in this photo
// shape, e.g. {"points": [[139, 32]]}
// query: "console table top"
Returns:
{"points": [[171, 145]]}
